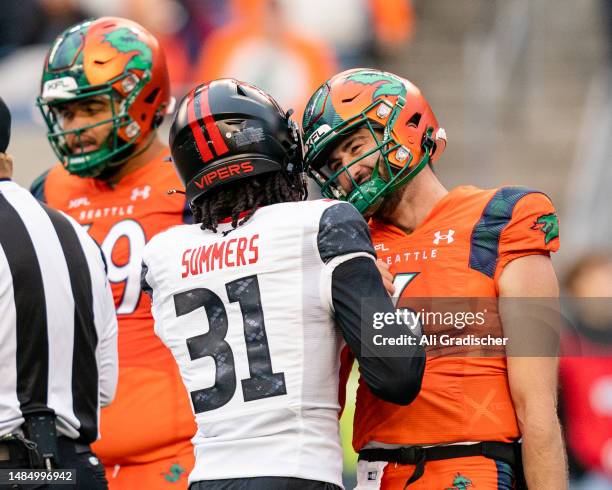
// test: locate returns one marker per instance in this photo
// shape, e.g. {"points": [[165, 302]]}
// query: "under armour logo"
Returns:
{"points": [[144, 192], [448, 237], [372, 475]]}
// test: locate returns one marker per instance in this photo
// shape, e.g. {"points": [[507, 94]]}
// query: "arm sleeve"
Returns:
{"points": [[532, 230], [394, 379], [343, 231], [108, 364]]}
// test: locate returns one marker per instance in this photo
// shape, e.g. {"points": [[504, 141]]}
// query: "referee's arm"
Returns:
{"points": [[108, 361], [105, 318]]}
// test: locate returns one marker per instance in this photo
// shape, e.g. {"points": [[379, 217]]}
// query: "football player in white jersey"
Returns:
{"points": [[258, 297]]}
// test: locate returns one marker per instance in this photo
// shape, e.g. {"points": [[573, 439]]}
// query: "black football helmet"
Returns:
{"points": [[226, 130]]}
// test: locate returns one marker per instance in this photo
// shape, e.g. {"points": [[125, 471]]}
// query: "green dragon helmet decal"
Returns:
{"points": [[115, 59], [406, 133]]}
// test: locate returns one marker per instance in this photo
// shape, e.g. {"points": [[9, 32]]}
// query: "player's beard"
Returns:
{"points": [[390, 204], [118, 161]]}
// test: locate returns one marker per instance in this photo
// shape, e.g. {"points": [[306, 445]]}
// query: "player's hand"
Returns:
{"points": [[386, 275]]}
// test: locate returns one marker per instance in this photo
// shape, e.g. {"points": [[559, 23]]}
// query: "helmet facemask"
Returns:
{"points": [[114, 150], [387, 176]]}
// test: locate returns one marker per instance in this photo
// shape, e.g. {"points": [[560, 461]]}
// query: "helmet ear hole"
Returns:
{"points": [[240, 90], [414, 120], [152, 96]]}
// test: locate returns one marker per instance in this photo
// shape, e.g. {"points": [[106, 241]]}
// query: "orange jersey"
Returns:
{"points": [[150, 418], [459, 250]]}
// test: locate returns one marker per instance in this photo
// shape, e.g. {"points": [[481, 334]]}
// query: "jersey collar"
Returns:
{"points": [[385, 228]]}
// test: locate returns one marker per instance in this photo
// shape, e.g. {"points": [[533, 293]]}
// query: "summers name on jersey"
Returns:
{"points": [[247, 314]]}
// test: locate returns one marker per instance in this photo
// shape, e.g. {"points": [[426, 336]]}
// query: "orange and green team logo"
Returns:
{"points": [[127, 41], [549, 225], [460, 483], [174, 475], [384, 84], [322, 109], [72, 55]]}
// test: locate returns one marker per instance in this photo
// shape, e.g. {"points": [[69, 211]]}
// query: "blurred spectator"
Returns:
{"points": [[181, 26], [586, 374], [203, 17], [258, 46], [165, 19], [25, 22], [355, 28]]}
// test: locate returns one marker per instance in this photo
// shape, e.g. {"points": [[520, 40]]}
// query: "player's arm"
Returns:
{"points": [[533, 380], [108, 363], [393, 379], [524, 273], [345, 246], [104, 316]]}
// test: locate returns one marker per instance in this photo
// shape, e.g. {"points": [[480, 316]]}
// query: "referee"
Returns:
{"points": [[58, 336]]}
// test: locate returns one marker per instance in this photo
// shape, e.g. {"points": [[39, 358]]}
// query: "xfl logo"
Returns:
{"points": [[323, 130], [438, 236], [80, 201]]}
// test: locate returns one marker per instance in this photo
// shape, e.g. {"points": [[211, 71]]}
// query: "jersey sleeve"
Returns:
{"points": [[108, 359], [147, 283], [37, 189], [149, 286], [532, 230], [144, 283], [343, 233], [105, 317]]}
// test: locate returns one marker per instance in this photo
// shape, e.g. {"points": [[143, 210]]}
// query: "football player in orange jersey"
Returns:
{"points": [[104, 93], [371, 138]]}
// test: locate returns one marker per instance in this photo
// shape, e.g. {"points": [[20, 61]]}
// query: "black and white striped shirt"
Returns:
{"points": [[58, 329]]}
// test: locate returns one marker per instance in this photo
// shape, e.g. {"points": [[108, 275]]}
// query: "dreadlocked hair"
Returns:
{"points": [[246, 196]]}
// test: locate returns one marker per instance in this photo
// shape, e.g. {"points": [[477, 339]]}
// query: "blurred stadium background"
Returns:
{"points": [[523, 88]]}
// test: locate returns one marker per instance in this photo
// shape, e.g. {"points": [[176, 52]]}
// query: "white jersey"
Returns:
{"points": [[248, 315]]}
